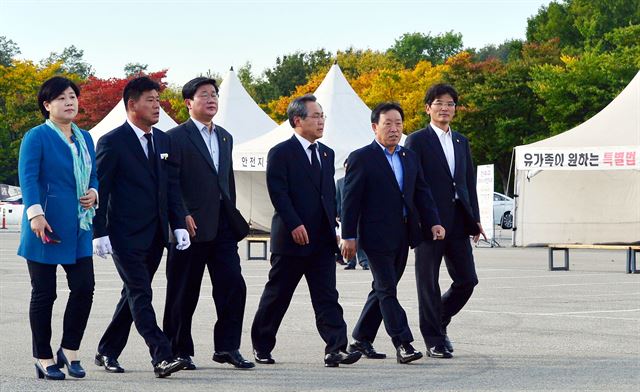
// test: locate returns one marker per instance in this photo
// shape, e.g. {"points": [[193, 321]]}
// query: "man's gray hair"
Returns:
{"points": [[298, 108]]}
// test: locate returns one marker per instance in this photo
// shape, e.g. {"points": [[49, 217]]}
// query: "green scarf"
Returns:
{"points": [[81, 171]]}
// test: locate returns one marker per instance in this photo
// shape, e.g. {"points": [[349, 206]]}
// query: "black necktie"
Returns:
{"points": [[316, 173], [151, 152]]}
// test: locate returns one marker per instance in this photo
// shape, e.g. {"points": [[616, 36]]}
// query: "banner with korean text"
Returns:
{"points": [[484, 187], [579, 158]]}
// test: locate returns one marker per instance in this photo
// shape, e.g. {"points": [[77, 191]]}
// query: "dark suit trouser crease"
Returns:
{"points": [[382, 302], [184, 277], [80, 280], [136, 268], [319, 270], [436, 311]]}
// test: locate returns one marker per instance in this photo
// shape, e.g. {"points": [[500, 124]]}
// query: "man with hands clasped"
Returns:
{"points": [[386, 201], [139, 199]]}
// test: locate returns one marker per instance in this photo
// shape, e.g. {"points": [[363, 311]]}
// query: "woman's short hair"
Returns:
{"points": [[51, 89]]}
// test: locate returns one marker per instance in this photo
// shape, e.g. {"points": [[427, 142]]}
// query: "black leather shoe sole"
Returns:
{"points": [[439, 354]]}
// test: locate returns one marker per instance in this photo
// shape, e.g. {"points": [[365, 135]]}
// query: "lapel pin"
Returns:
{"points": [[457, 140], [324, 154], [403, 154], [224, 139]]}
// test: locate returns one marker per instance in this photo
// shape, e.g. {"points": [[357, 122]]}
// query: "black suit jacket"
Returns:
{"points": [[373, 202], [202, 186], [134, 199], [444, 186], [339, 196], [298, 201]]}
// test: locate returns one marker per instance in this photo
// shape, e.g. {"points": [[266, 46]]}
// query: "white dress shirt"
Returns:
{"points": [[446, 141], [143, 140], [305, 145], [210, 138]]}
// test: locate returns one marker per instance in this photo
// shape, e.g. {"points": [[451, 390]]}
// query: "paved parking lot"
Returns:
{"points": [[525, 328]]}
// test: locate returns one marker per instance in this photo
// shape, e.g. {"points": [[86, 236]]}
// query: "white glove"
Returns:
{"points": [[102, 246], [182, 239]]}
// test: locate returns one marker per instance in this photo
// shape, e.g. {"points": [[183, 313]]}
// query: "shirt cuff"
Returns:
{"points": [[97, 196], [34, 210]]}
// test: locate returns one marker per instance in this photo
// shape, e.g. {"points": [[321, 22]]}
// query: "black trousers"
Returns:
{"points": [[436, 311], [382, 303], [136, 268], [184, 277], [319, 270], [81, 282]]}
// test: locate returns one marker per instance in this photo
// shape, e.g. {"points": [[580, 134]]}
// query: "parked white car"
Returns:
{"points": [[501, 204]]}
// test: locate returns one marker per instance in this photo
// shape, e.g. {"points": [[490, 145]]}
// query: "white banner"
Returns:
{"points": [[578, 158], [250, 161], [484, 187]]}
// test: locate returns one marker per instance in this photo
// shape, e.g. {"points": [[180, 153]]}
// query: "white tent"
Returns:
{"points": [[583, 185], [118, 115], [238, 113], [348, 127]]}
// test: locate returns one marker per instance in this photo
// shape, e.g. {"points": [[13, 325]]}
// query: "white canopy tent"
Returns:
{"points": [[348, 127], [118, 115], [583, 185], [238, 113]]}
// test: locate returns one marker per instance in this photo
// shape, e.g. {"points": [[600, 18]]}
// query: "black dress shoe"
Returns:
{"points": [[366, 349], [447, 344], [405, 353], [438, 351], [233, 357], [50, 373], [263, 358], [110, 364], [189, 365], [336, 358], [365, 267], [166, 368], [73, 368], [350, 267]]}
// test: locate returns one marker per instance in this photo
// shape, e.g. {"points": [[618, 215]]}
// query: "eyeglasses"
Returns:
{"points": [[318, 116], [206, 96], [441, 104]]}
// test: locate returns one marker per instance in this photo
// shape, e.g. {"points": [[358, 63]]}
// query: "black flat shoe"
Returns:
{"points": [[73, 368], [405, 353], [336, 358], [366, 349], [110, 364], [233, 357], [50, 373], [263, 358], [167, 368], [189, 365], [438, 351]]}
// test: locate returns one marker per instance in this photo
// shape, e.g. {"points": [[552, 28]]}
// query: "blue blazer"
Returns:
{"points": [[45, 169], [134, 199], [436, 171], [373, 203], [298, 201]]}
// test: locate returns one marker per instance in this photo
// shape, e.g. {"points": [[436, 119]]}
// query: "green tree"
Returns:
{"points": [[411, 48], [134, 69], [72, 61], [8, 50], [506, 51]]}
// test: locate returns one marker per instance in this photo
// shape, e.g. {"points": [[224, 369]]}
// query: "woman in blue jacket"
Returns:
{"points": [[59, 185]]}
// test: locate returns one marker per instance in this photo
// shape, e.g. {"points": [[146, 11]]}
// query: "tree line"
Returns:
{"points": [[577, 56]]}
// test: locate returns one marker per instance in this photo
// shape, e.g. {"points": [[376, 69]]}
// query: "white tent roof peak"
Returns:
{"points": [[118, 115], [238, 113], [618, 124]]}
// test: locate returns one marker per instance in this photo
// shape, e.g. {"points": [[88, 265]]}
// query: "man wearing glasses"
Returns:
{"points": [[303, 239], [446, 162], [201, 154]]}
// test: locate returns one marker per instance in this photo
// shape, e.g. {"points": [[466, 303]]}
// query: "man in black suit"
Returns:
{"points": [[360, 257], [139, 197], [303, 239], [202, 155], [446, 162], [386, 200]]}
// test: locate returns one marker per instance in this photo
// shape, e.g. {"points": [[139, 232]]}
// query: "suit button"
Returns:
{"points": [[454, 184], [453, 200]]}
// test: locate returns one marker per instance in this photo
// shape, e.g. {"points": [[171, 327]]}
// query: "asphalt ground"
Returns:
{"points": [[524, 329]]}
